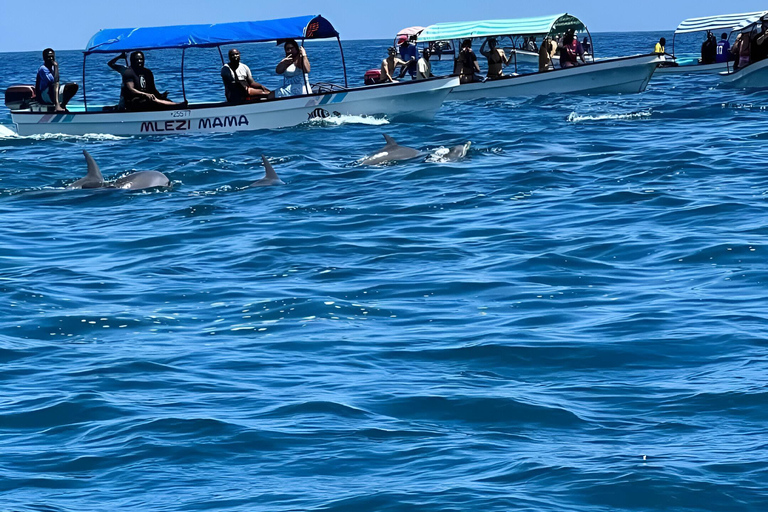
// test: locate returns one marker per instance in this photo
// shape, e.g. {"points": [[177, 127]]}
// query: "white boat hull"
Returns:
{"points": [[754, 76], [691, 66], [400, 101], [611, 76]]}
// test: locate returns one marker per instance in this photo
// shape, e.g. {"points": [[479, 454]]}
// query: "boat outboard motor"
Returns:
{"points": [[372, 76], [18, 97]]}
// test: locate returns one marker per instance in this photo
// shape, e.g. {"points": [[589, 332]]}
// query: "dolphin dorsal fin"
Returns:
{"points": [[269, 171], [390, 140], [94, 173]]}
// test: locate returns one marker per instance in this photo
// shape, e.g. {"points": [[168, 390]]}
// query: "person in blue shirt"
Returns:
{"points": [[47, 87], [410, 54], [723, 49]]}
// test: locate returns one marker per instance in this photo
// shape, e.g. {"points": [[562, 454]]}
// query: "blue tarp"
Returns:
{"points": [[115, 40]]}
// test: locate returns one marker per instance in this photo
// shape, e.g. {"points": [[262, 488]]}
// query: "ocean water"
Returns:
{"points": [[573, 318]]}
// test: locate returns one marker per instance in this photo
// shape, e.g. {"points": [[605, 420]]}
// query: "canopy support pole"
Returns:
{"points": [[304, 71], [591, 43], [343, 62], [220, 55], [673, 43], [183, 89], [85, 96], [306, 75]]}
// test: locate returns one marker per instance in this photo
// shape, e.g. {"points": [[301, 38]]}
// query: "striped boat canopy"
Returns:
{"points": [[727, 22], [752, 20], [543, 25]]}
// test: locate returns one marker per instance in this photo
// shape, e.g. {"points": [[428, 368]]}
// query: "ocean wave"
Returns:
{"points": [[347, 119], [574, 117]]}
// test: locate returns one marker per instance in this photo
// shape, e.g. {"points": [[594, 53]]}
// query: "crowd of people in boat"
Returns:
{"points": [[567, 47], [747, 49], [139, 93]]}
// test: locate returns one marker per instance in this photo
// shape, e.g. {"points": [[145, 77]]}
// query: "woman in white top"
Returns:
{"points": [[294, 68]]}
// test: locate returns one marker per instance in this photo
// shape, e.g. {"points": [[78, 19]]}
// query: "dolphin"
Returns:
{"points": [[135, 181], [392, 152], [456, 153], [93, 179], [270, 176]]}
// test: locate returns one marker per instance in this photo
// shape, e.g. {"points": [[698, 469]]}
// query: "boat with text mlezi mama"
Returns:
{"points": [[623, 75], [398, 101]]}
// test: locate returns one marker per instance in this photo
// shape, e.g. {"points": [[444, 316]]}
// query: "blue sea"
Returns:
{"points": [[573, 318]]}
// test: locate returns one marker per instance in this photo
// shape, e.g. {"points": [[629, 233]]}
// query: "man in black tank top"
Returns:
{"points": [[138, 92]]}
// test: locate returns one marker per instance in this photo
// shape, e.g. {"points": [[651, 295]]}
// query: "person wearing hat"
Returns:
{"points": [[410, 54], [497, 58]]}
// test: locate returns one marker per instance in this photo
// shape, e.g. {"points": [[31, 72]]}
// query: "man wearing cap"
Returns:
{"points": [[410, 54]]}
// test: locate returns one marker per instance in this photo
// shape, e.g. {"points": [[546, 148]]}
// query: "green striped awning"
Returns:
{"points": [[727, 22], [541, 25]]}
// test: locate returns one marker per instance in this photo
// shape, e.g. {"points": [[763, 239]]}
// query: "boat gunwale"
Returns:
{"points": [[225, 104]]}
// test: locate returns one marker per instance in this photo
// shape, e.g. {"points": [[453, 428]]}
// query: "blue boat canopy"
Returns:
{"points": [[115, 40], [542, 25]]}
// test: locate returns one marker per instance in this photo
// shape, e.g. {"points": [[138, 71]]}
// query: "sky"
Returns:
{"points": [[71, 23]]}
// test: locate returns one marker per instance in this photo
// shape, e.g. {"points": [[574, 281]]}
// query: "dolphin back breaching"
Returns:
{"points": [[141, 180]]}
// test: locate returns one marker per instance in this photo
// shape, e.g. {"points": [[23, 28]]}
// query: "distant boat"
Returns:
{"points": [[609, 76], [755, 75], [674, 64], [404, 100]]}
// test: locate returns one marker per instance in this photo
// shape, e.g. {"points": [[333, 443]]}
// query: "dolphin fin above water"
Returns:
{"points": [[392, 152], [93, 178], [136, 181], [270, 176]]}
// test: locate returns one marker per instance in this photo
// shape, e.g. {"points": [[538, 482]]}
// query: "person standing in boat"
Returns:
{"points": [[496, 56], [759, 43], [532, 46], [742, 50], [239, 85], [138, 92], [466, 65], [709, 49], [723, 49], [568, 55], [410, 54], [47, 88], [547, 54], [294, 68]]}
